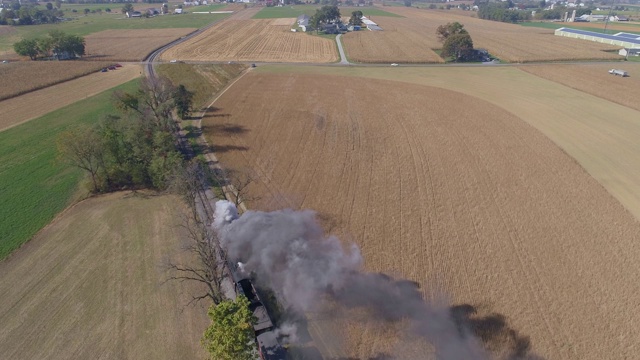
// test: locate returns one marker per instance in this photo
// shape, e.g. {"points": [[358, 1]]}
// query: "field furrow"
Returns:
{"points": [[454, 193]]}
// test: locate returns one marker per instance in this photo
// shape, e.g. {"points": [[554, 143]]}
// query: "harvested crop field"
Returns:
{"points": [[130, 45], [509, 42], [594, 79], [92, 285], [455, 193], [21, 109], [24, 76], [254, 40], [402, 41]]}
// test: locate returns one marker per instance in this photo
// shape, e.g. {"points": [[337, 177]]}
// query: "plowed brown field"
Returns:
{"points": [[595, 80], [23, 108], [129, 45], [91, 285], [23, 76], [254, 40], [448, 190], [509, 42]]}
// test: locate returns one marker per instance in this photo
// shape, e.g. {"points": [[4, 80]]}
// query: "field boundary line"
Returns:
{"points": [[228, 190]]}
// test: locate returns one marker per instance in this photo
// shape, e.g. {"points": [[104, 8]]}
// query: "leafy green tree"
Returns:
{"points": [[128, 7], [356, 18], [45, 45], [49, 6], [459, 46], [27, 47], [183, 100], [444, 31], [230, 335], [58, 4], [87, 11], [407, 3]]}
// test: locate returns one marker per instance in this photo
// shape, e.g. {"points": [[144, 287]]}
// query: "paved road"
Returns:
{"points": [[343, 57]]}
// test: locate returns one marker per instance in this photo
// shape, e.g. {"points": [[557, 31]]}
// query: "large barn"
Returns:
{"points": [[626, 40]]}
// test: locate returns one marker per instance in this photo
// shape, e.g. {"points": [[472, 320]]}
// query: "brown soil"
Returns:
{"points": [[92, 285], [129, 45], [21, 109], [447, 190]]}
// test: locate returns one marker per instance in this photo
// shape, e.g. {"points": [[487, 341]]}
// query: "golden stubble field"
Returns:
{"points": [[509, 42], [29, 106], [130, 45], [449, 190], [92, 285], [24, 76], [595, 79], [254, 40]]}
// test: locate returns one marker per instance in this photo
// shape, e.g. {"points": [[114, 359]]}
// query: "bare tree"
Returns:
{"points": [[154, 101], [210, 269], [236, 185], [82, 148]]}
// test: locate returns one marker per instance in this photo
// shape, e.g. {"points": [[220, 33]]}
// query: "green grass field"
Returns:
{"points": [[214, 7], [294, 11], [92, 23], [34, 187]]}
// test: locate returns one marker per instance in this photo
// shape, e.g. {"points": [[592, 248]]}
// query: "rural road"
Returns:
{"points": [[343, 57]]}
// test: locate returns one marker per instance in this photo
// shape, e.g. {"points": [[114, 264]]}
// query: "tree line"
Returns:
{"points": [[502, 12], [30, 14], [56, 43], [136, 148]]}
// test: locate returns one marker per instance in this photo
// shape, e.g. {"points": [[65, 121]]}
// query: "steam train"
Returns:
{"points": [[266, 336]]}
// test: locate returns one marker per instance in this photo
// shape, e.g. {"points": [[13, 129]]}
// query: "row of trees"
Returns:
{"points": [[57, 44], [135, 148], [30, 14], [502, 12]]}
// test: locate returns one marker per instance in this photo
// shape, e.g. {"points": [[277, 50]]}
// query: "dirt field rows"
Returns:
{"points": [[90, 286], [130, 45], [402, 41], [41, 74], [21, 109], [509, 42], [254, 40], [455, 193], [594, 79]]}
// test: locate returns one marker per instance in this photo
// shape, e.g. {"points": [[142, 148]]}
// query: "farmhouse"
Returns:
{"points": [[621, 39]]}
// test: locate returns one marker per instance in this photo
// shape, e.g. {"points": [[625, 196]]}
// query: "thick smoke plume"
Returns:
{"points": [[289, 253]]}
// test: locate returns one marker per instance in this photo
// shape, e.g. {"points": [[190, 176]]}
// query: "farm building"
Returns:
{"points": [[629, 52], [370, 24], [625, 40], [303, 22]]}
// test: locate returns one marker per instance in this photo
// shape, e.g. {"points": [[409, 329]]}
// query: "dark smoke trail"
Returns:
{"points": [[289, 253]]}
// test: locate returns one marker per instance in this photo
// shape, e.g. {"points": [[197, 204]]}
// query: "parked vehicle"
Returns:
{"points": [[618, 72], [111, 67], [104, 70]]}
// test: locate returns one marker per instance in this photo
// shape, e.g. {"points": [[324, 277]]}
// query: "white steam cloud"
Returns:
{"points": [[289, 253]]}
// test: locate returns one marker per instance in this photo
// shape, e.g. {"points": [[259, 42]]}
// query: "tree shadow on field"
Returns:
{"points": [[226, 128], [219, 149], [494, 332], [378, 356], [215, 112]]}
